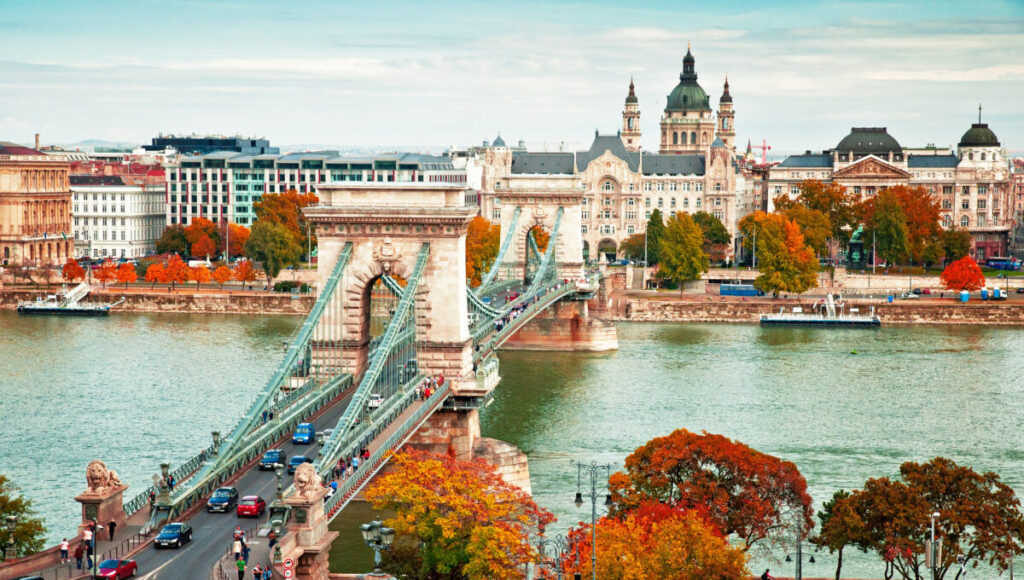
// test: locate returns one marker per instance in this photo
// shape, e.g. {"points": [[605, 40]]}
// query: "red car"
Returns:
{"points": [[251, 505], [117, 569]]}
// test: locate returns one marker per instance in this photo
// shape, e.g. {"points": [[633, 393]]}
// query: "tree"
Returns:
{"points": [[203, 247], [956, 243], [221, 275], [814, 226], [981, 517], [483, 240], [922, 213], [830, 199], [933, 252], [743, 491], [681, 250], [273, 246], [72, 271], [716, 236], [126, 274], [236, 236], [653, 543], [785, 261], [286, 209], [841, 526], [29, 533], [963, 274], [469, 522], [173, 241], [155, 273], [106, 272], [541, 236], [655, 231], [200, 228], [886, 224], [175, 271], [199, 275], [633, 247], [244, 272]]}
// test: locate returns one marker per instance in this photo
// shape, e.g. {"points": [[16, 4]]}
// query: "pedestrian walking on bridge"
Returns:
{"points": [[240, 564]]}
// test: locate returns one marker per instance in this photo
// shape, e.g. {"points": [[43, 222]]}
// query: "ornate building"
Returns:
{"points": [[35, 207], [973, 185], [695, 169]]}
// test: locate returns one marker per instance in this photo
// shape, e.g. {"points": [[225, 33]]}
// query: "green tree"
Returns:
{"points": [[716, 236], [841, 526], [273, 246], [956, 244], [173, 241], [785, 261], [29, 532], [633, 247], [814, 225], [682, 250], [655, 231], [886, 223]]}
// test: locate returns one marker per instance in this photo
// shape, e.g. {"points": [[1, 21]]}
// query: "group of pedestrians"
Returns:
{"points": [[240, 549], [428, 387], [84, 550]]}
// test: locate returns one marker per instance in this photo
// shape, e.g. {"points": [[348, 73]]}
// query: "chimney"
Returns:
{"points": [[37, 141]]}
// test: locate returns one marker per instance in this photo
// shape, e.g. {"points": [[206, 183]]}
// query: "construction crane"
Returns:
{"points": [[764, 147]]}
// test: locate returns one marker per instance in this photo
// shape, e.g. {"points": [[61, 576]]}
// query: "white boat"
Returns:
{"points": [[69, 302], [826, 315]]}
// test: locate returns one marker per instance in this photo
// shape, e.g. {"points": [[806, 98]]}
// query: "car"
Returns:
{"points": [[304, 433], [117, 569], [271, 458], [252, 506], [1020, 290], [375, 401], [327, 433], [222, 500], [909, 295], [173, 536], [296, 461]]}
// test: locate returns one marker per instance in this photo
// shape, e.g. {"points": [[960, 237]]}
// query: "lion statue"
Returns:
{"points": [[99, 478], [307, 482]]}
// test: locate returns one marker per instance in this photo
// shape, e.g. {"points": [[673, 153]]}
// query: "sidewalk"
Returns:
{"points": [[259, 553], [125, 540]]}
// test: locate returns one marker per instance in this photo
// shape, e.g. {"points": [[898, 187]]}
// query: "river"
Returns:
{"points": [[135, 390]]}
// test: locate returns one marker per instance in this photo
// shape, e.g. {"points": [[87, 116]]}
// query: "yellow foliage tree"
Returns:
{"points": [[482, 243], [222, 274]]}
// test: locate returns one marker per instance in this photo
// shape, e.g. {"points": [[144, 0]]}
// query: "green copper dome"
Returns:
{"points": [[979, 135], [688, 95]]}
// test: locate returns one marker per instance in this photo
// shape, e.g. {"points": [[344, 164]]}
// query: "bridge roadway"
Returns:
{"points": [[212, 532]]}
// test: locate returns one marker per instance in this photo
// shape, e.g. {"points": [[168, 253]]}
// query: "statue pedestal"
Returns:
{"points": [[104, 506], [312, 541]]}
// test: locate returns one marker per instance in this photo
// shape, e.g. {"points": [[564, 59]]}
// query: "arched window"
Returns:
{"points": [[947, 222], [982, 156], [704, 137], [675, 138], [970, 156], [608, 185], [718, 187], [693, 137]]}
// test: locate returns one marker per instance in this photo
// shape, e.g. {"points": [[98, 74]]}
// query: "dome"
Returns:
{"points": [[869, 141], [688, 95], [979, 135], [499, 142]]}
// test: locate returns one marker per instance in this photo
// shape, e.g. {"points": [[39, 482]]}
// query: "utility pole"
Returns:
{"points": [[755, 247], [874, 252]]}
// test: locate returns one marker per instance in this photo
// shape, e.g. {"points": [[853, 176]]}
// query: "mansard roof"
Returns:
{"points": [[542, 163], [932, 161], [808, 160], [656, 164], [612, 144]]}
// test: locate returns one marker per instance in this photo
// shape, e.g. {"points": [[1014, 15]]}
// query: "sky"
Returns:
{"points": [[415, 74]]}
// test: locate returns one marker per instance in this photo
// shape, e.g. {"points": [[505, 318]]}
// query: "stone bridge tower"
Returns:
{"points": [[540, 208]]}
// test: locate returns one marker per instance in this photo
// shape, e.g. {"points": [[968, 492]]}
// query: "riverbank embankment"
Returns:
{"points": [[182, 301]]}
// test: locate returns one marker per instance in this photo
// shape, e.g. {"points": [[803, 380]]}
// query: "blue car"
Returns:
{"points": [[173, 536], [304, 433], [271, 458], [296, 461], [223, 500]]}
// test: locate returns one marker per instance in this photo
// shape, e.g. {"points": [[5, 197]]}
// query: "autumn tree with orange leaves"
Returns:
{"points": [[199, 275], [482, 243], [203, 248], [653, 542], [107, 272], [963, 274], [126, 274], [461, 518], [221, 275], [155, 273], [741, 490], [785, 261], [286, 209], [236, 236], [72, 271], [175, 271], [541, 236], [200, 228]]}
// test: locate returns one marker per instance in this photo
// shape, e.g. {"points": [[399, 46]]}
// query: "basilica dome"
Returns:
{"points": [[979, 135], [688, 95]]}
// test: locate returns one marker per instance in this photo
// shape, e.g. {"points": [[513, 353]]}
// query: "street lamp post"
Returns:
{"points": [[378, 538], [935, 516], [12, 524], [562, 547], [593, 470], [279, 471], [96, 529]]}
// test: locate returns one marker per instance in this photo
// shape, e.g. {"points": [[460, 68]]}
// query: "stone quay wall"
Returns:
{"points": [[183, 301], [645, 307]]}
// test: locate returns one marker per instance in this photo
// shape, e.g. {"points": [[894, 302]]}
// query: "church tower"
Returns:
{"points": [[688, 124], [726, 129], [631, 121]]}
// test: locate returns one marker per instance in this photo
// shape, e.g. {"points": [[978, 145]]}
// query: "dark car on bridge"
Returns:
{"points": [[173, 536], [304, 433], [296, 461], [271, 458], [251, 506], [223, 500], [117, 569]]}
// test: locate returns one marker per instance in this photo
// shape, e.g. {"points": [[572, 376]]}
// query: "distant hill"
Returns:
{"points": [[91, 144]]}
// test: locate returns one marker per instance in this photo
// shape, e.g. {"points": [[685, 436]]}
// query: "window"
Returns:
{"points": [[982, 190], [586, 214], [76, 221], [122, 236], [672, 202], [647, 186], [982, 158], [965, 204], [686, 202], [661, 202], [982, 204], [661, 187], [693, 138], [718, 187], [718, 202], [496, 215], [720, 215], [794, 190], [630, 230], [699, 187], [647, 215], [608, 186], [697, 203], [672, 186], [947, 190], [777, 190], [630, 202], [981, 220], [947, 204], [947, 222], [965, 190], [964, 221], [583, 229], [647, 202], [607, 201], [631, 214]]}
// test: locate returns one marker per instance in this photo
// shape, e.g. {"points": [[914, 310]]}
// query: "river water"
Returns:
{"points": [[135, 390]]}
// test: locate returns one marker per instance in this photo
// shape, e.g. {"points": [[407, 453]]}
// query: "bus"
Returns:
{"points": [[1000, 263], [739, 290]]}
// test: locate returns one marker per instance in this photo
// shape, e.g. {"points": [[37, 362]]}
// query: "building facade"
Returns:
{"points": [[695, 170], [118, 210], [205, 144], [972, 184], [35, 207], [225, 185]]}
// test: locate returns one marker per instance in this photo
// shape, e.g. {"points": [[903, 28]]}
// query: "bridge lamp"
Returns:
{"points": [[379, 538], [279, 470], [11, 523]]}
